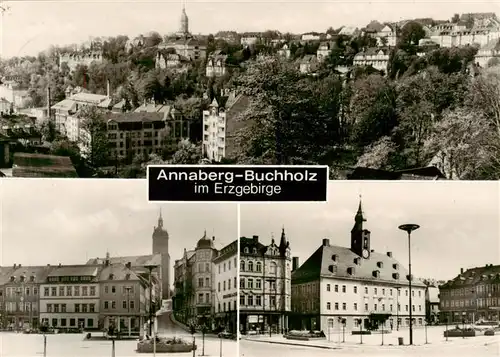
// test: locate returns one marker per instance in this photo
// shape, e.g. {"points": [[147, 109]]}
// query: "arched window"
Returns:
{"points": [[258, 267], [242, 266], [273, 268], [250, 266]]}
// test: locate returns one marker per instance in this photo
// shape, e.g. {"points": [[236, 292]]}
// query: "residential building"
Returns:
{"points": [[489, 54], [311, 37], [463, 34], [20, 129], [387, 36], [183, 43], [265, 285], [172, 61], [432, 303], [323, 51], [124, 299], [69, 298], [66, 120], [221, 125], [349, 31], [17, 97], [228, 36], [81, 58], [216, 64], [249, 39], [21, 294], [285, 51], [378, 58], [308, 64], [472, 295], [194, 277], [226, 288], [353, 283]]}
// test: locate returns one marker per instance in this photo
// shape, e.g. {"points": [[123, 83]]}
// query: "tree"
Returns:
{"points": [[187, 153], [464, 146], [94, 138], [410, 35], [378, 155]]}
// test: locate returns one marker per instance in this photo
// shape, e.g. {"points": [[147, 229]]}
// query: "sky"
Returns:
{"points": [[459, 222], [32, 26], [68, 221]]}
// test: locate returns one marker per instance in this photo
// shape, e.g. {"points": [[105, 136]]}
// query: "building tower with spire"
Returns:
{"points": [[184, 28], [160, 246], [360, 237]]}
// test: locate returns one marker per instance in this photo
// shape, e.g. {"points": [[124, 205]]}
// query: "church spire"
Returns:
{"points": [[283, 242], [359, 218], [184, 20], [160, 220]]}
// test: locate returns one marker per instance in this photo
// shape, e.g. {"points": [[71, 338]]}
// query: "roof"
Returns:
{"points": [[66, 104], [153, 108], [130, 117], [319, 262], [75, 270], [365, 173], [117, 272], [473, 276], [135, 261], [41, 165], [39, 273], [88, 97], [205, 242]]}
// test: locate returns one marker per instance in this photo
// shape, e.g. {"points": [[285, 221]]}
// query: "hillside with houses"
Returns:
{"points": [[389, 96]]}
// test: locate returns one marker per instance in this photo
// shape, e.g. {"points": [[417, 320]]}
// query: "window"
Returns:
{"points": [[49, 307], [250, 284], [375, 291], [390, 307], [77, 291], [84, 308], [200, 298], [250, 300], [228, 284], [61, 291], [53, 292], [45, 291], [344, 306], [218, 285], [258, 284], [258, 300], [77, 307], [242, 266], [258, 267], [124, 304], [406, 307], [355, 289], [200, 282], [250, 266], [242, 300], [207, 282], [106, 289], [328, 306], [63, 307], [113, 305], [242, 283], [383, 307], [366, 290], [336, 306], [106, 306], [92, 291], [375, 307], [85, 291], [383, 291], [366, 307], [327, 287], [419, 307], [273, 269], [336, 288], [92, 308], [272, 301], [355, 307], [132, 304], [113, 289], [343, 288]]}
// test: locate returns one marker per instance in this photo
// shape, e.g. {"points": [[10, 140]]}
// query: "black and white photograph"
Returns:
{"points": [[382, 269], [90, 268], [375, 90]]}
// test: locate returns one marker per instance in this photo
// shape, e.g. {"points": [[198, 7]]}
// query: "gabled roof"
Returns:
{"points": [[39, 273], [135, 261], [75, 270], [319, 263], [472, 276], [118, 272]]}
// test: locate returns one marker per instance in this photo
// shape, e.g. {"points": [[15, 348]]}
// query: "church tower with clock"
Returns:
{"points": [[160, 246], [360, 238]]}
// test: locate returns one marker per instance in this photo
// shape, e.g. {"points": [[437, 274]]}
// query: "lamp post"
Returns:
{"points": [[408, 228], [128, 288], [150, 269]]}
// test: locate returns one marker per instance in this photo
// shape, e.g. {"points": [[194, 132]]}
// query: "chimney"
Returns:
{"points": [[213, 238], [15, 265], [19, 265], [295, 263], [461, 270], [255, 238], [48, 265], [59, 265], [326, 242], [389, 254], [108, 88]]}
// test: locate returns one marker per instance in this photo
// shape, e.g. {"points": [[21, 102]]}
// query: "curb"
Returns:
{"points": [[296, 344]]}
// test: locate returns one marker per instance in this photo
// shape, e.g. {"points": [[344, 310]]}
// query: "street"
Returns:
{"points": [[372, 344]]}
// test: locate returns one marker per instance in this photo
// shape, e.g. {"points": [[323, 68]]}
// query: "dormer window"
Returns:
{"points": [[357, 261], [12, 278], [395, 276], [254, 250], [332, 269], [246, 250], [32, 278], [380, 264], [127, 276], [395, 266], [334, 257], [376, 274], [111, 276], [351, 270]]}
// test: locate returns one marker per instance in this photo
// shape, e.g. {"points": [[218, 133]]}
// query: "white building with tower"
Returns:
{"points": [[353, 283]]}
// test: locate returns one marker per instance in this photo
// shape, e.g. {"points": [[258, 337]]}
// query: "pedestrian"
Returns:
{"points": [[391, 325]]}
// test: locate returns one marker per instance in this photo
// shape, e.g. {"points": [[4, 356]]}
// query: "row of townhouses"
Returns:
{"points": [[118, 291]]}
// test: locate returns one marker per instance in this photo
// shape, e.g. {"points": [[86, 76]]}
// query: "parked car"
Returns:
{"points": [[225, 334]]}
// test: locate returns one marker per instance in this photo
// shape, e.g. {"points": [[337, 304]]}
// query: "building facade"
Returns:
{"points": [[69, 298], [337, 283], [472, 296], [216, 64], [265, 285], [226, 288]]}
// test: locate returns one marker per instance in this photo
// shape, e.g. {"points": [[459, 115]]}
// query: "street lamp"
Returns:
{"points": [[150, 269], [408, 228]]}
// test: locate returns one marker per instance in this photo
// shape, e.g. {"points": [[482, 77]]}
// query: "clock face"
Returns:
{"points": [[366, 253]]}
